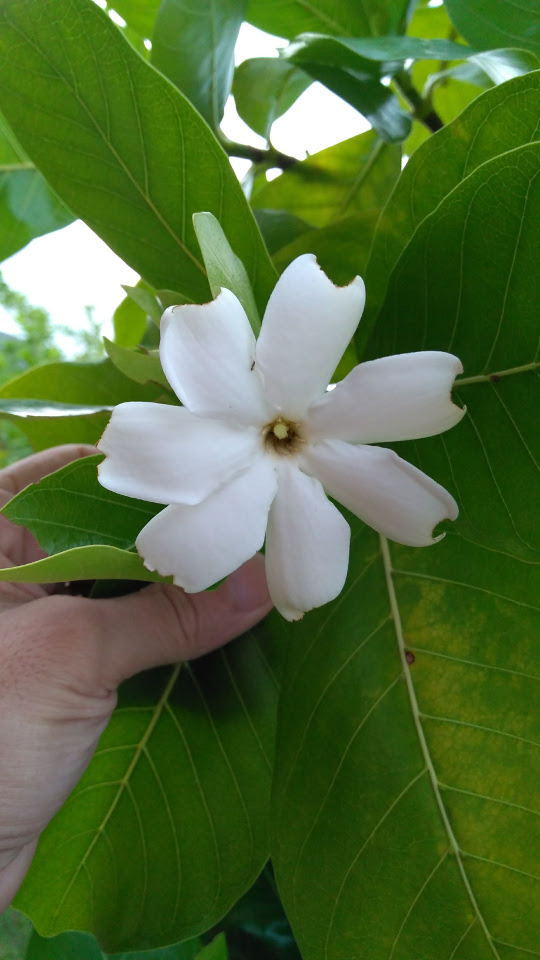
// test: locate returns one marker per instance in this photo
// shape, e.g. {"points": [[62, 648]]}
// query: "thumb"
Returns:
{"points": [[162, 624]]}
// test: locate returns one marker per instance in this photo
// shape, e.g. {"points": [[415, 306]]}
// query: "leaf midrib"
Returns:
{"points": [[454, 846], [124, 783]]}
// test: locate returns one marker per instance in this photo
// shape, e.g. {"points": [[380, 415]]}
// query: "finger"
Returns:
{"points": [[161, 624], [32, 469]]}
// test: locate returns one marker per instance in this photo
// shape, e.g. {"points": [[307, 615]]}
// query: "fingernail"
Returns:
{"points": [[247, 586]]}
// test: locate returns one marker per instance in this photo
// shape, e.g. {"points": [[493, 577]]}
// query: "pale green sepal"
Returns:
{"points": [[223, 267]]}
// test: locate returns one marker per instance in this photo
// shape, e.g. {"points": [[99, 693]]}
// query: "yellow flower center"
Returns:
{"points": [[282, 436]]}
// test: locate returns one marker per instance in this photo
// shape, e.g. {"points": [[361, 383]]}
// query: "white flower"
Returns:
{"points": [[259, 442]]}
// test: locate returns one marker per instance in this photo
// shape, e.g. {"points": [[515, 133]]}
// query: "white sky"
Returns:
{"points": [[71, 268]]}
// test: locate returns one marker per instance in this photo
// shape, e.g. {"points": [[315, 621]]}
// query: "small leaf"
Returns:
{"points": [[143, 296], [138, 365], [224, 268], [264, 88], [193, 45], [70, 508], [499, 23], [83, 563], [129, 322]]}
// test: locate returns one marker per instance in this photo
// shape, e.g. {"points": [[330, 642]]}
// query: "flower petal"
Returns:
{"points": [[385, 491], [403, 397], [207, 353], [307, 545], [165, 454], [306, 328], [201, 544]]}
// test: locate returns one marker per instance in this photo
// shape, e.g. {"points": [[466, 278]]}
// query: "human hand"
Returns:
{"points": [[62, 658]]}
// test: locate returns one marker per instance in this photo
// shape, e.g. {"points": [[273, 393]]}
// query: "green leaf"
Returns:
{"points": [[279, 227], [347, 18], [417, 837], [486, 69], [264, 88], [358, 53], [499, 120], [83, 563], [369, 96], [193, 45], [97, 384], [217, 950], [144, 297], [28, 207], [70, 508], [44, 432], [497, 23], [138, 365], [450, 97], [355, 176], [342, 248], [140, 15], [130, 155], [67, 946], [129, 321], [223, 267], [83, 946], [169, 823]]}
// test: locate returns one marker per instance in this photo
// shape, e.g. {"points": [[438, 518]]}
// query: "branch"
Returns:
{"points": [[267, 156], [421, 109]]}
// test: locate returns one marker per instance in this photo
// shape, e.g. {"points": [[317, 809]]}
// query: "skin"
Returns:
{"points": [[63, 657]]}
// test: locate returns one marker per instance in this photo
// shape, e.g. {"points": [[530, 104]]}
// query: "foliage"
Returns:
{"points": [[384, 751]]}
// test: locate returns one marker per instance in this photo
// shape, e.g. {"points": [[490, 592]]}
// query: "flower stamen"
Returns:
{"points": [[282, 436]]}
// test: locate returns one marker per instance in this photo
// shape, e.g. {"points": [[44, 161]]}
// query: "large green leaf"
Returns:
{"points": [[193, 45], [497, 23], [355, 176], [130, 155], [499, 120], [412, 830], [83, 946], [28, 207], [341, 18], [363, 53], [88, 383], [70, 508], [264, 88], [168, 827], [94, 562], [54, 403]]}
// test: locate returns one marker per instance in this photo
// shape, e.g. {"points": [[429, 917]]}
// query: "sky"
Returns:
{"points": [[72, 268]]}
